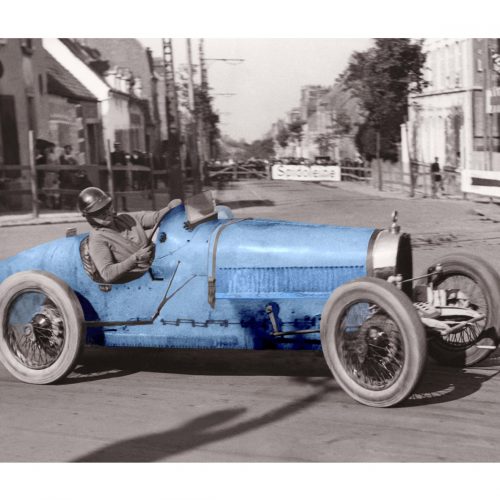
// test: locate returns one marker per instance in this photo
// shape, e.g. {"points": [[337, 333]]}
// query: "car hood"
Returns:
{"points": [[262, 257]]}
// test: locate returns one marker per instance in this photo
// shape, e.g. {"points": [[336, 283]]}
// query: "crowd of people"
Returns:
{"points": [[121, 157], [58, 187], [53, 183], [45, 154]]}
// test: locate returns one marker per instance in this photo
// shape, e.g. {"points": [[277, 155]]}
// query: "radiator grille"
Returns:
{"points": [[259, 280]]}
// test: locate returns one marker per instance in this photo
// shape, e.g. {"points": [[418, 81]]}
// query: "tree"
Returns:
{"points": [[342, 123], [382, 78], [209, 118], [261, 148], [296, 129], [290, 131]]}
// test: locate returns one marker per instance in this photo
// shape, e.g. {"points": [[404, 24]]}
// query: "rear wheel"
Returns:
{"points": [[373, 341], [41, 327], [468, 282]]}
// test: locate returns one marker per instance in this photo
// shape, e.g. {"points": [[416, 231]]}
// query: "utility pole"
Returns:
{"points": [[174, 157], [204, 126], [193, 125]]}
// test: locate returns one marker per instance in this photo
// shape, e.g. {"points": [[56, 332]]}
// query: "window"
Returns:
{"points": [[449, 70], [458, 65]]}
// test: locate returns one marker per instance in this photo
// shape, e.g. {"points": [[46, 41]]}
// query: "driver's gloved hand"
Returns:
{"points": [[174, 203], [145, 255]]}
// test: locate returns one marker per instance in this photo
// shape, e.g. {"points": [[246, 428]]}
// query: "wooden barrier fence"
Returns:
{"points": [[416, 181], [57, 186], [237, 172]]}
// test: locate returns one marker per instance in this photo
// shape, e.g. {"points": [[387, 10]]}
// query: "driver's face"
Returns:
{"points": [[103, 217]]}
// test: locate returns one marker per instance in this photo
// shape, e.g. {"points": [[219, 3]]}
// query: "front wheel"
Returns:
{"points": [[41, 327], [468, 283], [373, 341]]}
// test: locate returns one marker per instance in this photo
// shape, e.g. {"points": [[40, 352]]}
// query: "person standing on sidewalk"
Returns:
{"points": [[436, 178]]}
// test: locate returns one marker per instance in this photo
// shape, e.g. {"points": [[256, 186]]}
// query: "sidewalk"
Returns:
{"points": [[47, 218], [246, 192], [361, 187], [232, 194]]}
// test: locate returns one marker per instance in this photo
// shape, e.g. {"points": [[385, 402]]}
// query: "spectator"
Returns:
{"points": [[44, 152], [118, 156], [67, 157], [436, 179], [139, 158], [50, 155], [40, 157]]}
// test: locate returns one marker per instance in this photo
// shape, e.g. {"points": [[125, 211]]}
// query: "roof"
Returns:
{"points": [[62, 83]]}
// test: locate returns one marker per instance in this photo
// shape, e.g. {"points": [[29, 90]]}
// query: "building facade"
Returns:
{"points": [[329, 117], [133, 63], [456, 117], [73, 117], [23, 107]]}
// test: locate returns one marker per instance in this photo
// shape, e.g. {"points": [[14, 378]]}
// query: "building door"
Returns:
{"points": [[9, 136]]}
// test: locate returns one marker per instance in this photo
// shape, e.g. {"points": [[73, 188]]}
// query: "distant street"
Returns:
{"points": [[227, 406]]}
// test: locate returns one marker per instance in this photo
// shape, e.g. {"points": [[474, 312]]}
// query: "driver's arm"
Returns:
{"points": [[149, 219], [108, 268]]}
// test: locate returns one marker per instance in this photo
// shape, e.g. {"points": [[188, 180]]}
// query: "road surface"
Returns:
{"points": [[231, 406]]}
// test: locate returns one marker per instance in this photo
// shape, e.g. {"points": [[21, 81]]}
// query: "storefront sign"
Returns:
{"points": [[305, 173]]}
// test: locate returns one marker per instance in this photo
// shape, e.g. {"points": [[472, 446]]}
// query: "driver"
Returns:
{"points": [[118, 244]]}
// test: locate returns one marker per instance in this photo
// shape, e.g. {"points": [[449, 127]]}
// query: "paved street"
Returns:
{"points": [[227, 406]]}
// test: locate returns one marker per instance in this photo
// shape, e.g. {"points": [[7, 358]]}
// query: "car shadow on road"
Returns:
{"points": [[439, 384], [442, 384], [104, 363], [200, 431]]}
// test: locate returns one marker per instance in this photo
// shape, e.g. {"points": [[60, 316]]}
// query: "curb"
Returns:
{"points": [[44, 219]]}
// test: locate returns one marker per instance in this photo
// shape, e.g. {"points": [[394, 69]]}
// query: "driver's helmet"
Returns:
{"points": [[93, 199]]}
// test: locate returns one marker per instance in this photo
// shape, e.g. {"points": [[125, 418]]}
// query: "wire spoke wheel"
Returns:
{"points": [[471, 283], [41, 327], [373, 341], [35, 330], [475, 299], [370, 346]]}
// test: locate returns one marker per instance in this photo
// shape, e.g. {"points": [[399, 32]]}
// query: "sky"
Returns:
{"points": [[266, 85]]}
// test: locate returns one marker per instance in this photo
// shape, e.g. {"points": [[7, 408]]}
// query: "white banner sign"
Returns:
{"points": [[305, 173], [484, 182]]}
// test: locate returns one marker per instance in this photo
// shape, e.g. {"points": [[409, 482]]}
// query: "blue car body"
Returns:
{"points": [[221, 275]]}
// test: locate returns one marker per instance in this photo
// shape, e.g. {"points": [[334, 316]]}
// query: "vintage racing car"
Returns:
{"points": [[241, 283]]}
